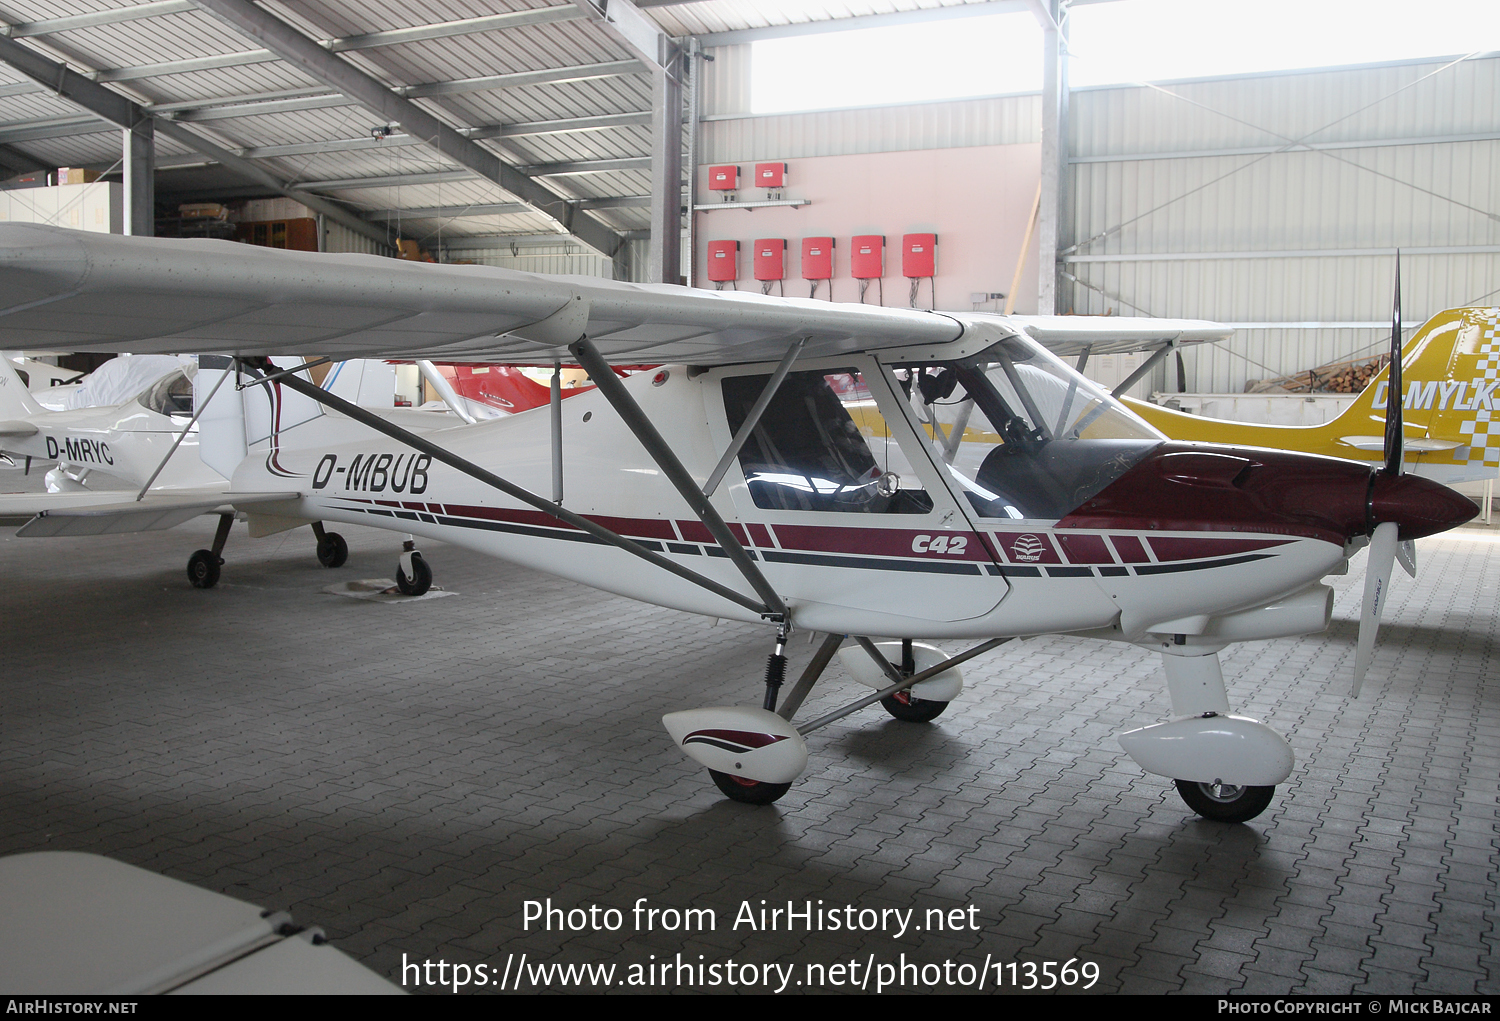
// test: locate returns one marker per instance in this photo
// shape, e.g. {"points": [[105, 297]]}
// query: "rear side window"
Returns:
{"points": [[822, 445]]}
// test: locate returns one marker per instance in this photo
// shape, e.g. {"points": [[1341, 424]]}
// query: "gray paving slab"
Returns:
{"points": [[410, 776]]}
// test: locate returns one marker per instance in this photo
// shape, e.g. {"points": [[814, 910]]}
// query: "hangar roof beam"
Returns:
{"points": [[116, 109], [337, 73]]}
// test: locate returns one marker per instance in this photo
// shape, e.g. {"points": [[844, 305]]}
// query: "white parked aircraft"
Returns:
{"points": [[151, 442], [853, 470]]}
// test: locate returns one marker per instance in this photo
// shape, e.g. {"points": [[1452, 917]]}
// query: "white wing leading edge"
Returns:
{"points": [[78, 291]]}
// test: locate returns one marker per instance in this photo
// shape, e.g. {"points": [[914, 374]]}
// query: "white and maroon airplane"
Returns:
{"points": [[851, 470]]}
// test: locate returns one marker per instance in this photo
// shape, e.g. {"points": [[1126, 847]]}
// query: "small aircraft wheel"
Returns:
{"points": [[419, 582], [333, 551], [750, 792], [907, 707], [203, 569], [1225, 802]]}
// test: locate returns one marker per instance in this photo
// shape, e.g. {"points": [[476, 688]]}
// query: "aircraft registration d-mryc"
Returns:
{"points": [[852, 470]]}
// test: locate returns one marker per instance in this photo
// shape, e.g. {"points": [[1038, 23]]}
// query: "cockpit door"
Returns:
{"points": [[845, 509]]}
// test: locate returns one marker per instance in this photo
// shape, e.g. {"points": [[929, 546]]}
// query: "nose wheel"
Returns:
{"points": [[1225, 802]]}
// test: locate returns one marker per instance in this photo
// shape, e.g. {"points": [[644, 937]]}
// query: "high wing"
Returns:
{"points": [[1068, 336], [78, 291]]}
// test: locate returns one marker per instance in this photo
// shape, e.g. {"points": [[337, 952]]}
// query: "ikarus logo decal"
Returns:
{"points": [[1028, 548]]}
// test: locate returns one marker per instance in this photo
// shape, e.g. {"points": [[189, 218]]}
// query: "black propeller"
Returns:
{"points": [[1384, 538]]}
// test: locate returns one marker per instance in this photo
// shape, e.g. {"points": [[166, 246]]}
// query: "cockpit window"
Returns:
{"points": [[1021, 434], [822, 445], [170, 395]]}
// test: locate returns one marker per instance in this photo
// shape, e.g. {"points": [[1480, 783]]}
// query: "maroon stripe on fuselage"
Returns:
{"points": [[1194, 548], [1130, 549], [886, 542], [1085, 549], [696, 531]]}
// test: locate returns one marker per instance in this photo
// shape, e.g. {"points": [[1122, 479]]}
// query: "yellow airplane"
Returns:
{"points": [[1451, 372]]}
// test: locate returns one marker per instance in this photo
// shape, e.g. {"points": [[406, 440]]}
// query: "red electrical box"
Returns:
{"points": [[919, 255], [867, 256], [770, 259], [724, 178], [770, 175], [723, 261], [817, 258]]}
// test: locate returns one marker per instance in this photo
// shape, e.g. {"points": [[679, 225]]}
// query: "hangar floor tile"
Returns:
{"points": [[416, 778]]}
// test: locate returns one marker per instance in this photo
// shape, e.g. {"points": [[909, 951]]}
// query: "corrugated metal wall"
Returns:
{"points": [[1429, 186], [1434, 184], [338, 238], [564, 259]]}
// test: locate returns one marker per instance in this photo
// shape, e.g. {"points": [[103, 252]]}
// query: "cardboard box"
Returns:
{"points": [[76, 175]]}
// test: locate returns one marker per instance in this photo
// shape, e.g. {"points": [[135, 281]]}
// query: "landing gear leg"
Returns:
{"points": [[203, 566], [413, 576], [905, 706], [333, 551], [1225, 767], [742, 788]]}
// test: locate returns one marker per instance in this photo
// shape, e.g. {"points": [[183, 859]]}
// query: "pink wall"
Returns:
{"points": [[977, 200]]}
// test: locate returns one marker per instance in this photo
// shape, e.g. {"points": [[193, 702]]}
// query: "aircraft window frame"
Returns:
{"points": [[1028, 429], [161, 396], [921, 493]]}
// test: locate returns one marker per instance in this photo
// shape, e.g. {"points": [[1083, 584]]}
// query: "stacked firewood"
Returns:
{"points": [[1347, 377]]}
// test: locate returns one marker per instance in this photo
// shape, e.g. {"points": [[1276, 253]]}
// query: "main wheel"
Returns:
{"points": [[750, 792], [1225, 802], [419, 582], [905, 706], [203, 569], [333, 551]]}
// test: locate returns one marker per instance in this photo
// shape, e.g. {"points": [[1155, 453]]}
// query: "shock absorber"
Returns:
{"points": [[776, 668]]}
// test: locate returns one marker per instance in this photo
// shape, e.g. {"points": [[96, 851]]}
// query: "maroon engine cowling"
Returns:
{"points": [[1197, 487]]}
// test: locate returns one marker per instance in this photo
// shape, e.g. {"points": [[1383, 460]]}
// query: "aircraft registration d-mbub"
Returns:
{"points": [[852, 470]]}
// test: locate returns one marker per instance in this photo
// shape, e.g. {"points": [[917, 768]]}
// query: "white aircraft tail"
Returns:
{"points": [[221, 423], [268, 418], [15, 400], [368, 382]]}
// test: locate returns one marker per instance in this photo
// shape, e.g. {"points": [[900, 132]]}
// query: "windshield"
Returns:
{"points": [[1021, 434], [170, 395]]}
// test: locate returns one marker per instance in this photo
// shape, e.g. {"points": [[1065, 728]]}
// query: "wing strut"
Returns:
{"points": [[614, 391], [901, 683], [1146, 366], [361, 415]]}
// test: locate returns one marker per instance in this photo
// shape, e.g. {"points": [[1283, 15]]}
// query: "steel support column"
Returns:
{"points": [[665, 259], [140, 178], [1054, 148], [623, 22]]}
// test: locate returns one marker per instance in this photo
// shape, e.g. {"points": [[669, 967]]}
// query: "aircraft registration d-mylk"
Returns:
{"points": [[852, 470], [1451, 368]]}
